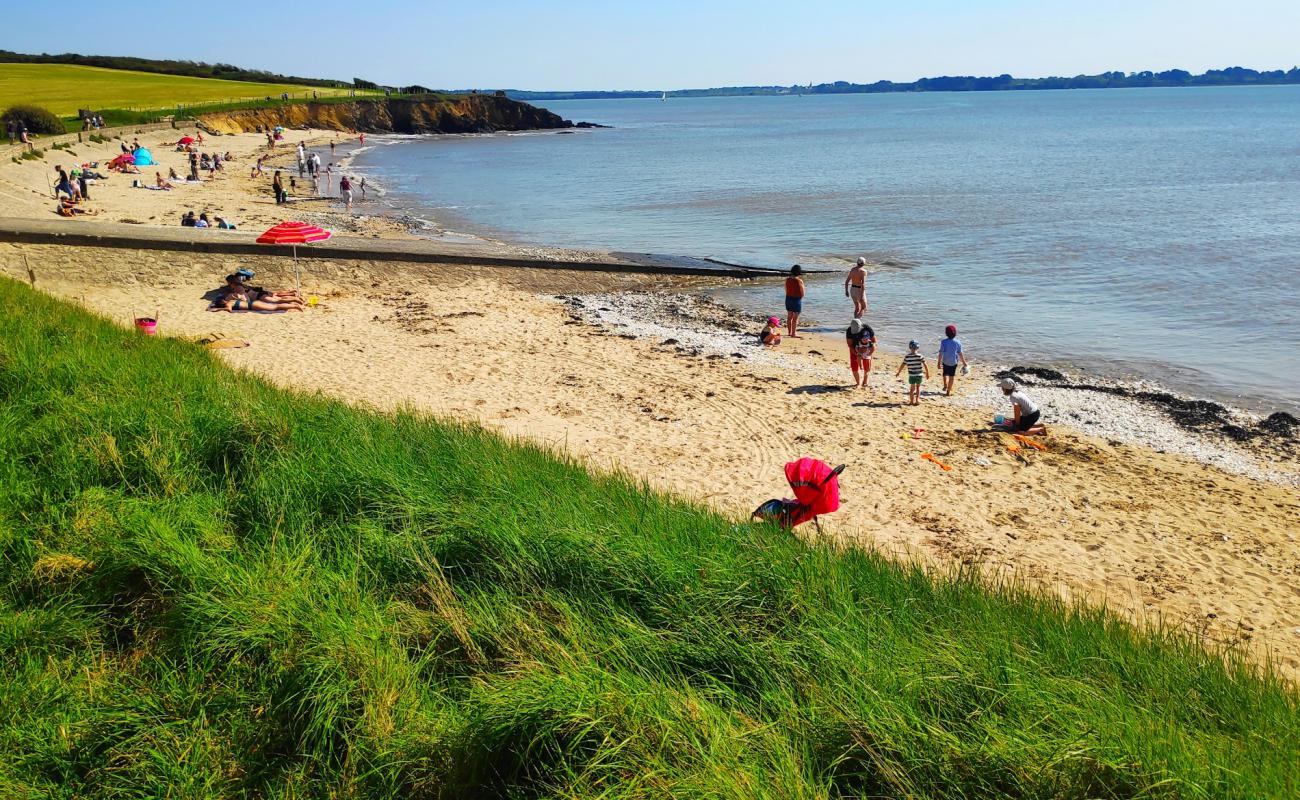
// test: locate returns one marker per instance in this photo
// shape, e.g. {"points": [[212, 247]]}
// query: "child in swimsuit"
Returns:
{"points": [[771, 334]]}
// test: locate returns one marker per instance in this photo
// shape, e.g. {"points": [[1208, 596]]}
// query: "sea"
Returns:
{"points": [[1148, 234]]}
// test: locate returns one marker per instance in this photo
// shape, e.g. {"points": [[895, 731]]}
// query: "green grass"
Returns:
{"points": [[64, 88], [124, 98], [215, 588]]}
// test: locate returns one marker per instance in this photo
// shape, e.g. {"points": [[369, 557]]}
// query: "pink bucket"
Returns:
{"points": [[146, 325]]}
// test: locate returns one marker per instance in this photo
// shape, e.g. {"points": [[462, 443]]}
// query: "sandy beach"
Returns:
{"points": [[635, 373], [230, 193]]}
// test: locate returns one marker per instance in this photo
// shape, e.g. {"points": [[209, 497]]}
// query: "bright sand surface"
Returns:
{"points": [[1157, 535]]}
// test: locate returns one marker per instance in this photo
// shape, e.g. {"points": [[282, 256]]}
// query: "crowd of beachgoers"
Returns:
{"points": [[72, 185]]}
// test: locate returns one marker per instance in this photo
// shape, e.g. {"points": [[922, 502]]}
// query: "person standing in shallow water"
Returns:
{"points": [[855, 287], [794, 292]]}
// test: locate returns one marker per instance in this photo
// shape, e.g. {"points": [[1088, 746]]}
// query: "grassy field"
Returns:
{"points": [[64, 88], [213, 588]]}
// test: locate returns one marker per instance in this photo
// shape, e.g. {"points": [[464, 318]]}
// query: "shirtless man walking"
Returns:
{"points": [[855, 286]]}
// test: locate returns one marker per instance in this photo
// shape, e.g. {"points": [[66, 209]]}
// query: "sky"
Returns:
{"points": [[675, 44]]}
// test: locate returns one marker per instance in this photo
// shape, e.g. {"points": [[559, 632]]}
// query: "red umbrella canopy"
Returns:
{"points": [[186, 140], [293, 233]]}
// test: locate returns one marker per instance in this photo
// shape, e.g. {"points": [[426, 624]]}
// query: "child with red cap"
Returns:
{"points": [[950, 355]]}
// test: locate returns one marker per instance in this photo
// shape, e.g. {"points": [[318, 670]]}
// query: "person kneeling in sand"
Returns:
{"points": [[771, 334], [1027, 414]]}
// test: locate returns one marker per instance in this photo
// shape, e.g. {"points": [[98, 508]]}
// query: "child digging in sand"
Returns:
{"points": [[771, 334], [916, 365]]}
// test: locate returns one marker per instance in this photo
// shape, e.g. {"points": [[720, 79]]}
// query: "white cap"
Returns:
{"points": [[862, 262], [1007, 385]]}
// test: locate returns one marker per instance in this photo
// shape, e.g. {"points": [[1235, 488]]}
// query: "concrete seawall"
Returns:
{"points": [[87, 233]]}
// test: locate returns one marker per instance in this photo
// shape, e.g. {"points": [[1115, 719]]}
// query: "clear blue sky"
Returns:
{"points": [[586, 44]]}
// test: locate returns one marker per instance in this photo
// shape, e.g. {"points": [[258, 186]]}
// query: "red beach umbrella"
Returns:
{"points": [[294, 233], [186, 140]]}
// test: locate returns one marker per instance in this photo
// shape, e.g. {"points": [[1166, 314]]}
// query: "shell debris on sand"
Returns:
{"points": [[695, 323]]}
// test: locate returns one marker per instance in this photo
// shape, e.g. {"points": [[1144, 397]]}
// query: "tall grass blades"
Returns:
{"points": [[211, 587]]}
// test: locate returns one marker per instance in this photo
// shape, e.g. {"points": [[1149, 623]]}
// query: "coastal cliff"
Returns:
{"points": [[470, 113]]}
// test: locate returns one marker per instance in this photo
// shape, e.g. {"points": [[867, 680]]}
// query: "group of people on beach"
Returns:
{"points": [[17, 130], [204, 220], [861, 339], [309, 167]]}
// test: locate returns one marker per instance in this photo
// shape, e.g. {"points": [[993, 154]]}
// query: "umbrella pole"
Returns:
{"points": [[297, 279]]}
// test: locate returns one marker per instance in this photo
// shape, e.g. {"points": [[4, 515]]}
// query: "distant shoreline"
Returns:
{"points": [[1167, 79]]}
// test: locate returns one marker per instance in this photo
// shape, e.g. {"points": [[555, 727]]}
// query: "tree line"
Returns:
{"points": [[1231, 76], [190, 69]]}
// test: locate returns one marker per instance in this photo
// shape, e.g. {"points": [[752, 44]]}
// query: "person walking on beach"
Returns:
{"points": [[915, 365], [1027, 414], [277, 186], [855, 287], [794, 292], [862, 347], [950, 354], [194, 166], [345, 192], [64, 185], [363, 188]]}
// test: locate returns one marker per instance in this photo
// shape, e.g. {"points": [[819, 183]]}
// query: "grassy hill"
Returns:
{"points": [[64, 88], [213, 588]]}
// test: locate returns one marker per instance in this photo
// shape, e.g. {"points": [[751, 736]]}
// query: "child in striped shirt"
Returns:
{"points": [[916, 366]]}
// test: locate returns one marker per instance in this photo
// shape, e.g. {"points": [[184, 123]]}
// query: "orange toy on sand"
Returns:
{"points": [[1026, 440], [930, 457]]}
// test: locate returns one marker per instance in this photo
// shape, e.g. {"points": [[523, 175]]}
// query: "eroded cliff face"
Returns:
{"points": [[471, 113]]}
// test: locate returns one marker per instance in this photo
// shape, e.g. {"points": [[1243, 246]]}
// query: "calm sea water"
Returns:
{"points": [[1150, 233]]}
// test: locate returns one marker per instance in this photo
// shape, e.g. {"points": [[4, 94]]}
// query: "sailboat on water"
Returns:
{"points": [[664, 98]]}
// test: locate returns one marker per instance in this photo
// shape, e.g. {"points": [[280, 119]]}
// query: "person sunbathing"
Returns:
{"points": [[67, 208], [244, 275], [162, 182], [238, 297]]}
